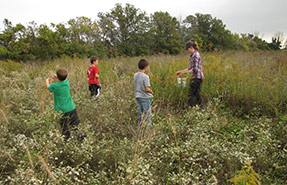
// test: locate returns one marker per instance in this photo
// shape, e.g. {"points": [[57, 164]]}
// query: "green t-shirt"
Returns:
{"points": [[62, 97]]}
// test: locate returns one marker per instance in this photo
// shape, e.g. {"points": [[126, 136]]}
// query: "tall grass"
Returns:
{"points": [[249, 82], [184, 146]]}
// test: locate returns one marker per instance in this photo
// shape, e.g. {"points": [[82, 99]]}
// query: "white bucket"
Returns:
{"points": [[183, 81], [179, 82]]}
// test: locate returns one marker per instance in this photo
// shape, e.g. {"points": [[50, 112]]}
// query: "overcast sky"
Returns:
{"points": [[266, 17]]}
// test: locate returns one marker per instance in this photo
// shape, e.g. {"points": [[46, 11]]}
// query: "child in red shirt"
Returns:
{"points": [[93, 75]]}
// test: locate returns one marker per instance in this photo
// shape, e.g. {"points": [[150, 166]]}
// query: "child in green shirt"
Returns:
{"points": [[63, 101]]}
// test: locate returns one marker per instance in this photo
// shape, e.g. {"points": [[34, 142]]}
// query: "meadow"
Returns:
{"points": [[238, 135]]}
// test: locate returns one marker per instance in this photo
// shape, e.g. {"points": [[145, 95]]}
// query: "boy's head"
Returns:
{"points": [[62, 74], [142, 64], [93, 59]]}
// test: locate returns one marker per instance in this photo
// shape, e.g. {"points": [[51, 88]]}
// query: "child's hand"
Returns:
{"points": [[48, 81], [178, 73], [54, 76]]}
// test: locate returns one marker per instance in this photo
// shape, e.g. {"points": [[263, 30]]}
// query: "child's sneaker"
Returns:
{"points": [[99, 90], [82, 137], [93, 98]]}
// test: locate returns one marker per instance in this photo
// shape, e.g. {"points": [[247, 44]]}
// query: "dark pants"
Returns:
{"points": [[68, 122], [94, 89], [194, 92]]}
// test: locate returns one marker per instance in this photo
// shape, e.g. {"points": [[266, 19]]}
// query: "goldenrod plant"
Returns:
{"points": [[246, 176]]}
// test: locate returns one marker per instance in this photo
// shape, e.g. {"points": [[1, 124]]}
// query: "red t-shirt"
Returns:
{"points": [[92, 71]]}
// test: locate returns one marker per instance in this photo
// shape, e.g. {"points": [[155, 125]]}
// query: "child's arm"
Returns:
{"points": [[48, 82], [97, 75], [148, 89]]}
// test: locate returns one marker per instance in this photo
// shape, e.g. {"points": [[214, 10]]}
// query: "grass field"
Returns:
{"points": [[242, 120]]}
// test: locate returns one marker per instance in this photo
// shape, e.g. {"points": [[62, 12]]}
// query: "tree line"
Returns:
{"points": [[124, 31]]}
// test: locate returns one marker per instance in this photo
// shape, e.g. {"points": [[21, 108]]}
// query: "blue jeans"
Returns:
{"points": [[144, 110]]}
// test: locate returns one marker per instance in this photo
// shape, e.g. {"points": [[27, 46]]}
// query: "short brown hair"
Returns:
{"points": [[93, 59], [62, 74], [142, 64]]}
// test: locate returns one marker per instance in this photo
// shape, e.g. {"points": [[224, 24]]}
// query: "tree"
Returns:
{"points": [[124, 29], [165, 32], [198, 26], [285, 44], [84, 38], [211, 32], [261, 44], [219, 36], [12, 41], [277, 40]]}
